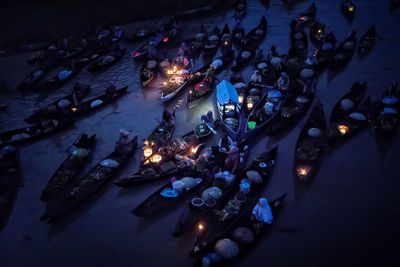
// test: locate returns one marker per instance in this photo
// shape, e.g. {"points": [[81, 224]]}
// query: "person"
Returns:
{"points": [[283, 82], [208, 119], [181, 54], [224, 143], [111, 89], [272, 53], [83, 142], [256, 77], [311, 60], [261, 214], [168, 117], [48, 124], [232, 161], [124, 143]]}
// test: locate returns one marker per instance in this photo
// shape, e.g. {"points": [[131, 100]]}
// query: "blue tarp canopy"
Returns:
{"points": [[225, 92]]}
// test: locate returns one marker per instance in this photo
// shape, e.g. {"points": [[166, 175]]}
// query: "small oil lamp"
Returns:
{"points": [[156, 158], [343, 129]]}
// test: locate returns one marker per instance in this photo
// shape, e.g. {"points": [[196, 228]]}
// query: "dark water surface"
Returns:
{"points": [[349, 215]]}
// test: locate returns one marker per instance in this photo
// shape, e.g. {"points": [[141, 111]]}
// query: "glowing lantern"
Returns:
{"points": [[240, 99], [225, 43], [249, 105], [190, 92], [74, 109], [137, 54], [351, 8], [194, 150], [201, 227], [165, 39], [156, 158], [165, 83], [343, 129], [302, 172], [147, 152], [319, 31]]}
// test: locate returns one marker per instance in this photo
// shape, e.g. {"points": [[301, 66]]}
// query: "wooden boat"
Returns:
{"points": [[42, 113], [57, 80], [347, 117], [143, 49], [199, 92], [189, 145], [229, 110], [310, 145], [258, 119], [165, 197], [308, 16], [87, 186], [318, 32], [86, 59], [33, 132], [198, 207], [212, 43], [176, 80], [106, 61], [386, 114], [352, 98], [244, 222], [70, 168], [325, 51], [254, 38], [148, 72], [367, 41], [348, 9], [345, 51], [230, 214], [240, 9], [32, 79], [295, 107], [73, 111], [10, 179]]}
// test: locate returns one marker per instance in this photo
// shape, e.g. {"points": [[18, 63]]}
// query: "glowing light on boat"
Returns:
{"points": [[147, 152], [225, 43], [343, 129], [165, 39], [190, 92], [201, 227], [137, 54], [240, 99], [351, 8], [249, 105], [156, 158], [319, 31], [74, 109], [302, 171], [194, 150]]}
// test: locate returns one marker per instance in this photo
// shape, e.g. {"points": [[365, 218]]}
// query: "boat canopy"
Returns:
{"points": [[225, 92]]}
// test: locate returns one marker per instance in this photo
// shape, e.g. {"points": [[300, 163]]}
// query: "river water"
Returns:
{"points": [[348, 215]]}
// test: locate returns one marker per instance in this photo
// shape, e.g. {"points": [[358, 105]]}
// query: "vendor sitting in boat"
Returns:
{"points": [[111, 89], [124, 144], [232, 161], [181, 54], [272, 53], [256, 77], [224, 143], [208, 119], [48, 124], [283, 82], [168, 118], [261, 214]]}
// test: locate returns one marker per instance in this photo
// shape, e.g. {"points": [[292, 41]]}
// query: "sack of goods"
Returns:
{"points": [[358, 116], [262, 65], [259, 32], [188, 182], [346, 104], [213, 38], [243, 235], [245, 55], [217, 63], [226, 249], [80, 153], [315, 132], [239, 85], [254, 177], [200, 37], [306, 73], [348, 45], [109, 163], [64, 103], [96, 103], [211, 193], [151, 64], [178, 187]]}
